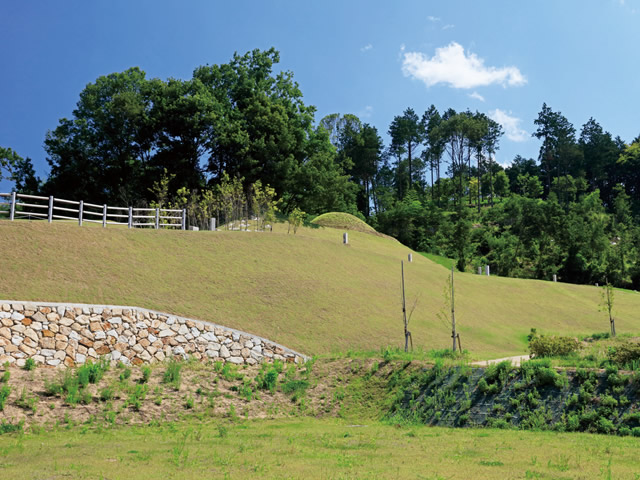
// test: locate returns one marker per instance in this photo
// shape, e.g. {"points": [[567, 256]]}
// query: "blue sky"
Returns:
{"points": [[370, 58]]}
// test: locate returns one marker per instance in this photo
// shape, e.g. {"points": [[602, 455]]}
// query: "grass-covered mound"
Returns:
{"points": [[344, 221], [307, 291]]}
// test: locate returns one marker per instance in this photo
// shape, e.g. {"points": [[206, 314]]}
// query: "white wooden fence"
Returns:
{"points": [[50, 208]]}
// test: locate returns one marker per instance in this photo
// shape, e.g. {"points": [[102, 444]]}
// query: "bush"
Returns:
{"points": [[553, 346], [6, 427], [5, 391], [624, 354], [172, 374], [29, 364], [146, 374]]}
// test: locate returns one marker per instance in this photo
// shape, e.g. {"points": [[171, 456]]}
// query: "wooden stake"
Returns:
{"points": [[404, 311], [453, 312]]}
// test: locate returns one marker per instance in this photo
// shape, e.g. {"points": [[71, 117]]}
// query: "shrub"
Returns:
{"points": [[6, 427], [552, 346], [146, 374], [106, 394], [137, 394], [29, 364], [635, 431], [624, 354], [125, 374], [295, 387], [172, 374], [5, 377], [91, 372], [5, 391]]}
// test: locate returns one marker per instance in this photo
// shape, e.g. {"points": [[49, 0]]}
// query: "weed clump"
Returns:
{"points": [[29, 364], [172, 374]]}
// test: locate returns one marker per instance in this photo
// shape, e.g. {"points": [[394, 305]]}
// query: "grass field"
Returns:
{"points": [[311, 448], [307, 291]]}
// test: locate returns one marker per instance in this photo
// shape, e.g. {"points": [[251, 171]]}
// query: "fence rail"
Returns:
{"points": [[52, 209]]}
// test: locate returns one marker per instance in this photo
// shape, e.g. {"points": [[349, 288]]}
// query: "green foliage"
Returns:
{"points": [[29, 364], [295, 219], [146, 374], [624, 354], [125, 374], [172, 374], [553, 346], [5, 391], [137, 395]]}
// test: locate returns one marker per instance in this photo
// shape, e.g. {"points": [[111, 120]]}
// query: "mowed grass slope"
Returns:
{"points": [[306, 291]]}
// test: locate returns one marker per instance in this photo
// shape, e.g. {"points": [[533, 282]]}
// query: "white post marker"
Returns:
{"points": [[345, 238], [50, 209], [212, 224], [104, 216], [12, 212], [411, 257], [486, 270], [479, 270], [555, 277], [80, 212]]}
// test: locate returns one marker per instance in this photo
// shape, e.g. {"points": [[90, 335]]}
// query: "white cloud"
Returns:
{"points": [[367, 47], [433, 19], [452, 66], [366, 113], [448, 26], [510, 124], [477, 96]]}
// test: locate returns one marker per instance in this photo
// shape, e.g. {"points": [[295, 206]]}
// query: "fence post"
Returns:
{"points": [[12, 213], [80, 212], [487, 270], [50, 209], [184, 219], [213, 224], [130, 217], [157, 218], [104, 216]]}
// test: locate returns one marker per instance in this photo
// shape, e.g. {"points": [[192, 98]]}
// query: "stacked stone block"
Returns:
{"points": [[58, 335]]}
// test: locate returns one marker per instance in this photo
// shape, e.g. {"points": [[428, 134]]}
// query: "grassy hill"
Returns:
{"points": [[306, 291]]}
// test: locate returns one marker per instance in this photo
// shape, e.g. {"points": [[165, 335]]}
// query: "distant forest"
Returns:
{"points": [[574, 211]]}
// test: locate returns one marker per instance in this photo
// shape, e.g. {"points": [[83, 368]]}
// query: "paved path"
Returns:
{"points": [[514, 360]]}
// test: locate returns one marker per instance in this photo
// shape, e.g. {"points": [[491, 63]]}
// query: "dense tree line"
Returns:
{"points": [[436, 187]]}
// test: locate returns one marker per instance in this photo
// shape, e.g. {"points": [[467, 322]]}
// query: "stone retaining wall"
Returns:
{"points": [[58, 334]]}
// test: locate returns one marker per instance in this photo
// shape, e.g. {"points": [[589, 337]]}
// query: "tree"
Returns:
{"points": [[530, 186], [558, 150], [407, 134], [8, 160], [264, 125], [435, 143], [606, 305], [24, 176], [101, 153]]}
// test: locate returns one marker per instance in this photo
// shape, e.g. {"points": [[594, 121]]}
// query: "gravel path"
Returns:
{"points": [[514, 360]]}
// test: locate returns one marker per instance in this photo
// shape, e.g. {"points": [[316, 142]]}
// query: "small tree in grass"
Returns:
{"points": [[295, 220], [606, 304]]}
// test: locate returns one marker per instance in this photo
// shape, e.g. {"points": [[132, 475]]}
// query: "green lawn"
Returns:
{"points": [[310, 448], [307, 291], [440, 260]]}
